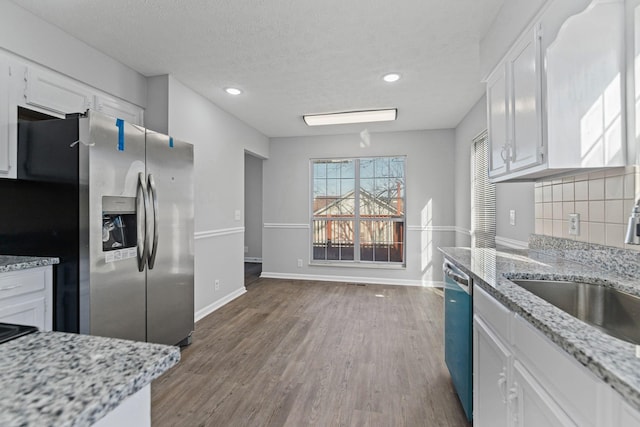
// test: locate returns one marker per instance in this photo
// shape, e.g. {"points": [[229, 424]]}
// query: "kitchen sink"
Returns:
{"points": [[614, 312]]}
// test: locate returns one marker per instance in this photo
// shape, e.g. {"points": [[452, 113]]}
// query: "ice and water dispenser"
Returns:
{"points": [[118, 223]]}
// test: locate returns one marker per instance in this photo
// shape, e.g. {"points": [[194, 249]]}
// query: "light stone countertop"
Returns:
{"points": [[15, 263], [612, 360], [60, 379]]}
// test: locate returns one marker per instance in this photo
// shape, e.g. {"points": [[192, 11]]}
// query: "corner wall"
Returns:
{"points": [[518, 196], [429, 204], [220, 141]]}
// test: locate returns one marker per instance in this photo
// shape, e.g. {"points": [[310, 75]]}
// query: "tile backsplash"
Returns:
{"points": [[604, 200]]}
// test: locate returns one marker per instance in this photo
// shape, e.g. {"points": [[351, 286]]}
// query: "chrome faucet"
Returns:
{"points": [[633, 229]]}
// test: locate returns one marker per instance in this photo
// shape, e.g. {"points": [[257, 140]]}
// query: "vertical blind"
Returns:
{"points": [[483, 196]]}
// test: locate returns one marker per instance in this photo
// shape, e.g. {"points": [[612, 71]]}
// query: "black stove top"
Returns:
{"points": [[9, 331]]}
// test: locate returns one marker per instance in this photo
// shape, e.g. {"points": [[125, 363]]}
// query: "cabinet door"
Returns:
{"points": [[533, 407], [25, 310], [585, 81], [497, 118], [120, 109], [5, 139], [490, 377], [526, 112], [57, 93]]}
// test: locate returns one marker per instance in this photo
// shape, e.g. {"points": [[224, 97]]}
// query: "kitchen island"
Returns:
{"points": [[61, 379], [612, 361]]}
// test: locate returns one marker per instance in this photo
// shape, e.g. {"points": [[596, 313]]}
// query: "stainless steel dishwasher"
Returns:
{"points": [[458, 339]]}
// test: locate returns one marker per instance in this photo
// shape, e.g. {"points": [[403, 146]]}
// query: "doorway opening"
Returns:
{"points": [[252, 218]]}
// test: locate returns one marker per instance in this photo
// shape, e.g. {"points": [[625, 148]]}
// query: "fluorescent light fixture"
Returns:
{"points": [[351, 117], [391, 77], [233, 91]]}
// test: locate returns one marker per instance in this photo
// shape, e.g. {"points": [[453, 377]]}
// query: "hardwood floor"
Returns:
{"points": [[300, 353]]}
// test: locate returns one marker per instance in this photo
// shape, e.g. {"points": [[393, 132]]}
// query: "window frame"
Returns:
{"points": [[356, 219]]}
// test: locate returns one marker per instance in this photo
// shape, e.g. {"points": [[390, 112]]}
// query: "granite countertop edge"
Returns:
{"points": [[114, 399], [10, 263], [63, 379], [610, 359]]}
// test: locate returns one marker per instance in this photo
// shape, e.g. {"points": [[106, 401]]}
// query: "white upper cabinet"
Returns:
{"points": [[513, 109], [6, 157], [565, 93], [11, 91], [525, 101], [585, 88], [46, 91], [56, 93], [120, 109], [497, 107]]}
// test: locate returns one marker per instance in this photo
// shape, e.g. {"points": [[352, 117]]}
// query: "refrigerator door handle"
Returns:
{"points": [[141, 193], [154, 205]]}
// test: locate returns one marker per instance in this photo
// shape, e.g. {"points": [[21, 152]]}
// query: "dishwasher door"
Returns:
{"points": [[458, 337]]}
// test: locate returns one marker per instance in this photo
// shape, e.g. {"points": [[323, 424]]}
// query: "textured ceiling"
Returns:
{"points": [[295, 57]]}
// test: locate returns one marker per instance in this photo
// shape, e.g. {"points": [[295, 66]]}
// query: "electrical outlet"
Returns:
{"points": [[246, 249], [216, 285], [512, 217], [299, 263], [237, 215], [574, 224]]}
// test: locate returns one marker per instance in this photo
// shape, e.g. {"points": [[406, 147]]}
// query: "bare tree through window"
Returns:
{"points": [[358, 209]]}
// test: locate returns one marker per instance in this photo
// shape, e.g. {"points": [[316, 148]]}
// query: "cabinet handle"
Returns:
{"points": [[502, 381], [503, 153], [7, 288]]}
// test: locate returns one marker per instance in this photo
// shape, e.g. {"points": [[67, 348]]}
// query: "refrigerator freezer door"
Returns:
{"points": [[170, 306], [116, 292]]}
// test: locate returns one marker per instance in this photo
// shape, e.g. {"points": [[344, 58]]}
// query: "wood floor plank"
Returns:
{"points": [[306, 353]]}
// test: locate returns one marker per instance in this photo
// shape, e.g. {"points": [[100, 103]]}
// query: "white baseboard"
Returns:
{"points": [[352, 279], [219, 303], [511, 243], [253, 259]]}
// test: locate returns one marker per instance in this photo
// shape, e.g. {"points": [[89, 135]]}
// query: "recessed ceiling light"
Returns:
{"points": [[233, 91], [351, 117], [391, 77]]}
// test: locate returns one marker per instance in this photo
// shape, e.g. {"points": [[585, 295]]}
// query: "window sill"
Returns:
{"points": [[359, 265]]}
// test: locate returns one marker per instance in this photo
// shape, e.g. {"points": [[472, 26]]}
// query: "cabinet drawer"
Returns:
{"points": [[492, 312], [22, 282], [574, 388]]}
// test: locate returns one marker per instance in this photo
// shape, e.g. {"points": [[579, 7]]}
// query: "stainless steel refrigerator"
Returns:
{"points": [[126, 201]]}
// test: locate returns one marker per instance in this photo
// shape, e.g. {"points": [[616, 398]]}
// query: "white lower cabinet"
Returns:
{"points": [[26, 297], [490, 377], [533, 407], [523, 379]]}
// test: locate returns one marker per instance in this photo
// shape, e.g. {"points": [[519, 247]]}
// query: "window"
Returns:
{"points": [[358, 210], [483, 196]]}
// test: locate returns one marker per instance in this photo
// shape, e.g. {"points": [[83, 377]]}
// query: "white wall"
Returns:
{"points": [[430, 203], [471, 125], [220, 141], [26, 35], [517, 196], [520, 197], [253, 207]]}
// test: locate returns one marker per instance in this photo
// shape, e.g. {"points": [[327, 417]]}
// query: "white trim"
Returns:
{"points": [[216, 233], [353, 279], [286, 225], [203, 312], [431, 228], [253, 259], [511, 243]]}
